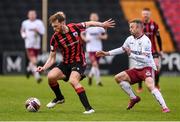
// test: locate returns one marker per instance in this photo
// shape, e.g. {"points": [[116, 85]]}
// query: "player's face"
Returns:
{"points": [[146, 15], [32, 15], [133, 28], [94, 17], [58, 26]]}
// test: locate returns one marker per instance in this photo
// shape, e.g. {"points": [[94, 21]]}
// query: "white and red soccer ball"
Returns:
{"points": [[32, 104]]}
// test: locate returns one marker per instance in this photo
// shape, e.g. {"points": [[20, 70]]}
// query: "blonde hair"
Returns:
{"points": [[60, 16]]}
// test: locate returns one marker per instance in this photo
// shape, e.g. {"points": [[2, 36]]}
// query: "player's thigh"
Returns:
{"points": [[56, 74], [32, 55], [149, 81], [122, 76], [94, 60], [74, 79]]}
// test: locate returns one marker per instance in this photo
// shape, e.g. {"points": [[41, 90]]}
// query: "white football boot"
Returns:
{"points": [[89, 111], [55, 102]]}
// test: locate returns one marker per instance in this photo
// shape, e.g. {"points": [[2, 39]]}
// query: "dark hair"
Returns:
{"points": [[146, 9], [60, 16]]}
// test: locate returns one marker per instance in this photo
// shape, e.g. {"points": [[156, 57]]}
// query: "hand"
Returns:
{"points": [[101, 53], [127, 50], [40, 69], [109, 23]]}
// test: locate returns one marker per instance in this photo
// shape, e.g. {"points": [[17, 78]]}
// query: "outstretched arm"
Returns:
{"points": [[106, 24], [111, 52]]}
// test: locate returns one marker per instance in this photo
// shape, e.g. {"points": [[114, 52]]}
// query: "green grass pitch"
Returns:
{"points": [[108, 101]]}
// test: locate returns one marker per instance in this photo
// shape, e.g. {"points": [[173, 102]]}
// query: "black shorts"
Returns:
{"points": [[68, 68], [155, 55]]}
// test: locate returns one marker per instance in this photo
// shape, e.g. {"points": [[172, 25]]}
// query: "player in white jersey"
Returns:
{"points": [[31, 31], [93, 37], [138, 47]]}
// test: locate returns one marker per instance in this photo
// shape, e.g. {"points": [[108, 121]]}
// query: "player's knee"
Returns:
{"points": [[149, 83], [95, 64], [51, 77], [118, 78], [73, 81]]}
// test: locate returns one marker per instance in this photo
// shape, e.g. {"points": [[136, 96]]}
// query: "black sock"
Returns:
{"points": [[140, 85], [157, 80], [83, 98], [57, 91]]}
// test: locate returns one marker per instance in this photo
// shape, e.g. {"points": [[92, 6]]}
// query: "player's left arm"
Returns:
{"points": [[159, 40], [106, 24]]}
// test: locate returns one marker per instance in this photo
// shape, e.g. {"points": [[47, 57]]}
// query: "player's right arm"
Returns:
{"points": [[120, 50], [52, 56], [22, 30], [51, 60]]}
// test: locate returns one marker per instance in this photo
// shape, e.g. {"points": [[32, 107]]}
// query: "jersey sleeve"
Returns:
{"points": [[41, 27], [156, 28], [126, 43], [53, 44], [81, 26]]}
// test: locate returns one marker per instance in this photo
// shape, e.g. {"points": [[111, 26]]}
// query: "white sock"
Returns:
{"points": [[33, 69], [157, 94], [28, 68], [92, 72], [97, 75], [127, 88]]}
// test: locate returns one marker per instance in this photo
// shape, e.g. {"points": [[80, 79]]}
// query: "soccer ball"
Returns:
{"points": [[32, 104]]}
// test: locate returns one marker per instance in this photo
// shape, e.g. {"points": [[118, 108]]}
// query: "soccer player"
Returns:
{"points": [[93, 36], [31, 31], [138, 47], [151, 30], [67, 39]]}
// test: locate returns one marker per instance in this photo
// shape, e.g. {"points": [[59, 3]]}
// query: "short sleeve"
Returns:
{"points": [[126, 45], [81, 26], [23, 25], [102, 30], [41, 27], [53, 44], [156, 27]]}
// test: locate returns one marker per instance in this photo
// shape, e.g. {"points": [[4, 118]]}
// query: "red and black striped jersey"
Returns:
{"points": [[70, 44], [151, 29]]}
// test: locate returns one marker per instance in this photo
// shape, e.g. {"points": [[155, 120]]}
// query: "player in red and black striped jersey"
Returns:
{"points": [[151, 29], [67, 39]]}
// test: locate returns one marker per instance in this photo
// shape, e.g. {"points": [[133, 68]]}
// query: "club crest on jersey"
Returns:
{"points": [[148, 73], [152, 27], [75, 34]]}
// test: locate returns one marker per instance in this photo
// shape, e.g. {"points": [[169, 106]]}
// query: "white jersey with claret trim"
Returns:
{"points": [[140, 51], [32, 38], [93, 42]]}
